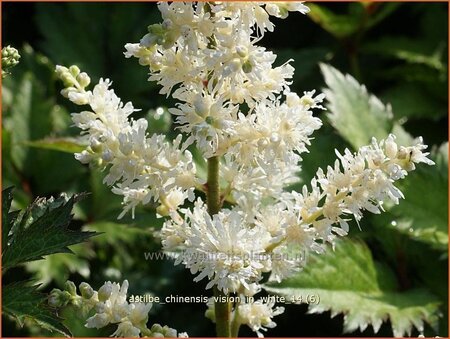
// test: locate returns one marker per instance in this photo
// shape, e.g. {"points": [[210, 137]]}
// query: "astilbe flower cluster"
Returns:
{"points": [[233, 103], [111, 307]]}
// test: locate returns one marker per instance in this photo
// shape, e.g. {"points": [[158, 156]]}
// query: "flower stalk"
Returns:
{"points": [[222, 309]]}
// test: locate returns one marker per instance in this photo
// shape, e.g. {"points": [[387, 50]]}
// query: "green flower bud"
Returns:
{"points": [[58, 298], [86, 290], [242, 51], [157, 328], [247, 66], [162, 210], [169, 332], [10, 58], [83, 79], [70, 287], [60, 70], [68, 79], [74, 70], [105, 291], [210, 120], [96, 145]]}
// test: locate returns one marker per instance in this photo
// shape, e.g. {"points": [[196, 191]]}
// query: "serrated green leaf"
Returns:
{"points": [[41, 230], [23, 302], [423, 215], [68, 145], [348, 281], [6, 216], [357, 115]]}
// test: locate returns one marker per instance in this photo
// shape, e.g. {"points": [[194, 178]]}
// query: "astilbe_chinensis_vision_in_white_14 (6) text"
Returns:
{"points": [[233, 105], [110, 306]]}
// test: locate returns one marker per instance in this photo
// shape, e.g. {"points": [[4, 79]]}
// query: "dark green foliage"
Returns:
{"points": [[40, 230], [23, 302]]}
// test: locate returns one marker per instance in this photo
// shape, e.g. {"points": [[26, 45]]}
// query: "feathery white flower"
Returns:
{"points": [[142, 168], [219, 247], [258, 315]]}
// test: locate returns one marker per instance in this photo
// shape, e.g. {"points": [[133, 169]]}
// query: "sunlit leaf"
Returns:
{"points": [[357, 115], [350, 282], [68, 145]]}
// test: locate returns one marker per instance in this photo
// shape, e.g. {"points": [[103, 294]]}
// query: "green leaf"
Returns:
{"points": [[423, 215], [68, 145], [23, 302], [411, 100], [33, 115], [409, 50], [41, 230], [357, 115], [6, 217], [348, 281], [340, 26], [359, 17], [377, 11], [115, 232], [56, 268], [109, 27]]}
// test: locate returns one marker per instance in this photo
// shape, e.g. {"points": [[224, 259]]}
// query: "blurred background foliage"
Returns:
{"points": [[397, 50]]}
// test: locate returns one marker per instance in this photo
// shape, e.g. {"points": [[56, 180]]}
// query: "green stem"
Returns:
{"points": [[222, 314], [221, 308], [213, 191], [235, 325]]}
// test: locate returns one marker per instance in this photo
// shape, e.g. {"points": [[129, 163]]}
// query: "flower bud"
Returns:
{"points": [[307, 101], [167, 24], [58, 298], [148, 40], [169, 332], [74, 70], [96, 145], [105, 291], [70, 287], [162, 210], [67, 79], [242, 51], [247, 66], [391, 147], [156, 328], [99, 320], [107, 155], [86, 290], [202, 106], [100, 307], [83, 79], [292, 99], [60, 70], [84, 157]]}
